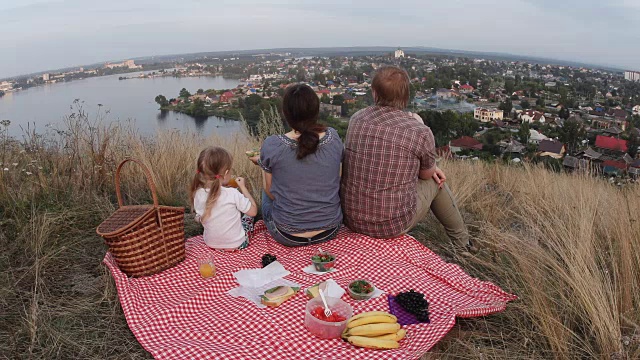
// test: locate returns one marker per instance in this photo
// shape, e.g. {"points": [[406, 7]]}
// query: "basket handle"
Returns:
{"points": [[147, 174]]}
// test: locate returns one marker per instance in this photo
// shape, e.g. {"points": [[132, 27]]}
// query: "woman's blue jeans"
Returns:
{"points": [[267, 207]]}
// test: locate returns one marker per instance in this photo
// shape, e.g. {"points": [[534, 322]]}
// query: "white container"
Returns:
{"points": [[325, 329]]}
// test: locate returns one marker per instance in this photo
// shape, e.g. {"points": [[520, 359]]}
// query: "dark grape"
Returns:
{"points": [[267, 259], [415, 303]]}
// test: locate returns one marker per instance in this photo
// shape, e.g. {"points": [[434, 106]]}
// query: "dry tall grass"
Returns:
{"points": [[568, 246]]}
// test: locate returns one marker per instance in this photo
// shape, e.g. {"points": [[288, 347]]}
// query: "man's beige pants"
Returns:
{"points": [[444, 207]]}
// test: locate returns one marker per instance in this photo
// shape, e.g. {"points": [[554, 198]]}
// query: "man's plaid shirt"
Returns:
{"points": [[385, 150]]}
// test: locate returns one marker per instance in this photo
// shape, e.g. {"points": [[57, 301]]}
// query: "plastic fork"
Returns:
{"points": [[327, 311]]}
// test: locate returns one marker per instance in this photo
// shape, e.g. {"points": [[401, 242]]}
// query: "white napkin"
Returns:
{"points": [[254, 294], [333, 289], [256, 278], [377, 292], [312, 270]]}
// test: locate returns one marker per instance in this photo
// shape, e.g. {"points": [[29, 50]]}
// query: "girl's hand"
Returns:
{"points": [[240, 182], [255, 159]]}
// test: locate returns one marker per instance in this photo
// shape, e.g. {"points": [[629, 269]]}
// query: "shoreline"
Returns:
{"points": [[232, 114], [145, 76]]}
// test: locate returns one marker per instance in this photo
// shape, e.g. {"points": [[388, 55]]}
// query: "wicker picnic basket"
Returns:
{"points": [[144, 239]]}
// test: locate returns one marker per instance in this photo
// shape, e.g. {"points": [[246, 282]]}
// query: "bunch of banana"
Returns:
{"points": [[374, 330]]}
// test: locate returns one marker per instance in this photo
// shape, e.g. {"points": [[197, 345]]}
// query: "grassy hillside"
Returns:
{"points": [[568, 246]]}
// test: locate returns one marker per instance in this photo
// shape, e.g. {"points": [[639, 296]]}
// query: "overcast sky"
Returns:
{"points": [[38, 35]]}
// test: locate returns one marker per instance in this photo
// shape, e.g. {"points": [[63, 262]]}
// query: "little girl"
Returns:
{"points": [[225, 213]]}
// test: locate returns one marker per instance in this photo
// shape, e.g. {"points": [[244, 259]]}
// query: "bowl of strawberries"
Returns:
{"points": [[327, 327]]}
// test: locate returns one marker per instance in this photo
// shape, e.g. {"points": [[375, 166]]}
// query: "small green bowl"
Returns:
{"points": [[360, 296], [324, 266]]}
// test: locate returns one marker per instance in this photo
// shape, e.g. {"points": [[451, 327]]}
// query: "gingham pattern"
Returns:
{"points": [[179, 315], [385, 149]]}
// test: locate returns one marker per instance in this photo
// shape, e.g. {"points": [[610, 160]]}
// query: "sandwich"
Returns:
{"points": [[277, 295], [314, 291]]}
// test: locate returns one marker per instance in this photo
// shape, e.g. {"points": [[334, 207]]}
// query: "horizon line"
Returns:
{"points": [[533, 58]]}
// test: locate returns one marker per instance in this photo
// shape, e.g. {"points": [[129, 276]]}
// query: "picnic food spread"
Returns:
{"points": [[277, 295], [183, 305], [374, 330]]}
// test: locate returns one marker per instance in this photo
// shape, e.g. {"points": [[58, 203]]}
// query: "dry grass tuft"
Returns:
{"points": [[568, 246]]}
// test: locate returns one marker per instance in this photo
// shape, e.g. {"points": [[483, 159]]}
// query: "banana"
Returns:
{"points": [[374, 319], [397, 336], [374, 329], [370, 313], [373, 343]]}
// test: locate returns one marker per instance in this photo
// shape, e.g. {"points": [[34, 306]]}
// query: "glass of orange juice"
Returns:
{"points": [[206, 266]]}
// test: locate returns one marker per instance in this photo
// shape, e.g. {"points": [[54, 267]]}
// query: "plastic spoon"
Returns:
{"points": [[327, 311]]}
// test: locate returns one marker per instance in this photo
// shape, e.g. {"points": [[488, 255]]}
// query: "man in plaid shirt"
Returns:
{"points": [[390, 180]]}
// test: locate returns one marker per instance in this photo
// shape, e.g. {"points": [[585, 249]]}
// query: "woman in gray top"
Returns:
{"points": [[301, 201]]}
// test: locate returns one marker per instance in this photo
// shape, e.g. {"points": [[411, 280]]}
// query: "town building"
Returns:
{"points": [[399, 53], [536, 137], [464, 143], [635, 110], [6, 86], [46, 77], [127, 63], [551, 148], [611, 144], [632, 75], [530, 116], [466, 89], [445, 94], [228, 96], [487, 115], [333, 110]]}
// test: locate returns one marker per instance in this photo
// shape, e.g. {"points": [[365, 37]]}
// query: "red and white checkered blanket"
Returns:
{"points": [[179, 315]]}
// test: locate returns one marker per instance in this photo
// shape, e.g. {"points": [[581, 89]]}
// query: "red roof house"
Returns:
{"points": [[616, 164], [466, 88], [465, 142], [323, 92], [226, 97], [611, 143]]}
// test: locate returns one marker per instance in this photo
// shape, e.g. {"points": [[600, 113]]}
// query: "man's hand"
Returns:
{"points": [[255, 159], [439, 177]]}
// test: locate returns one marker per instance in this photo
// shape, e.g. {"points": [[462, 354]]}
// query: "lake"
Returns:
{"points": [[131, 99]]}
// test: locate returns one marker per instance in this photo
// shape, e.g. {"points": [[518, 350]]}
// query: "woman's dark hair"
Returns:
{"points": [[301, 107]]}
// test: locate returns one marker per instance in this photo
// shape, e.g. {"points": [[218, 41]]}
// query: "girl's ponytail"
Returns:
{"points": [[213, 163]]}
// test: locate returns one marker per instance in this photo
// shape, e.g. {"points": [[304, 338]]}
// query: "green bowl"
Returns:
{"points": [[360, 296], [324, 266]]}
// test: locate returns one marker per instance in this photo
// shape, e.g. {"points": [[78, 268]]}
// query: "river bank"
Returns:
{"points": [[191, 110]]}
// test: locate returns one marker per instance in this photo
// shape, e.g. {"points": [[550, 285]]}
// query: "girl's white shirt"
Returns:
{"points": [[223, 227]]}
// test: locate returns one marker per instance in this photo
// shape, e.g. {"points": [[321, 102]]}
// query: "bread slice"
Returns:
{"points": [[314, 291], [277, 295]]}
